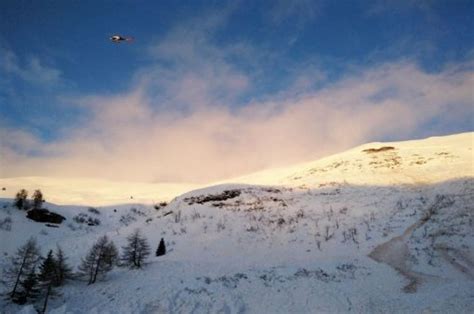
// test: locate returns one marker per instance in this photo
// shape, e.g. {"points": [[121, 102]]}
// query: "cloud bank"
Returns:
{"points": [[128, 139], [188, 116]]}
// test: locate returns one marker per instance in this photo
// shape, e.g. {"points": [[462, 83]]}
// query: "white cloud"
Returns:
{"points": [[31, 70], [183, 118], [128, 139]]}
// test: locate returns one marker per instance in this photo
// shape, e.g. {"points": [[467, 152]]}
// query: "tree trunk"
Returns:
{"points": [[12, 294], [96, 271], [45, 304]]}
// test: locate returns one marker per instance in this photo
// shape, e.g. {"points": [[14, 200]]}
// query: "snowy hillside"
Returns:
{"points": [[94, 192], [431, 160], [384, 227]]}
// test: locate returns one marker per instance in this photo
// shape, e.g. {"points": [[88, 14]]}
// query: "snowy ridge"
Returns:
{"points": [[95, 192], [430, 160], [385, 230]]}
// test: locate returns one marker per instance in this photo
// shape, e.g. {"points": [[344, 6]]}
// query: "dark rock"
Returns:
{"points": [[44, 215], [201, 199]]}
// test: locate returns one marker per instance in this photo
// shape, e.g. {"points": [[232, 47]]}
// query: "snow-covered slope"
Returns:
{"points": [[430, 160], [368, 230], [94, 192]]}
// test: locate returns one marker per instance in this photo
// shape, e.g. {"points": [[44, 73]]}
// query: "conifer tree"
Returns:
{"points": [[19, 275], [47, 278], [161, 250], [21, 201], [63, 270], [29, 287], [136, 251], [100, 260]]}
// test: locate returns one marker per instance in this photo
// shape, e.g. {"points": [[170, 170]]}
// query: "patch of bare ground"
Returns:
{"points": [[395, 253], [378, 150]]}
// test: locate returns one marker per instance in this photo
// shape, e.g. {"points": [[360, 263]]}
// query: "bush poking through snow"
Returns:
{"points": [[83, 218], [93, 210], [6, 224], [160, 205]]}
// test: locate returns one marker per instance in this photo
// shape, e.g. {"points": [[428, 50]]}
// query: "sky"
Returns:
{"points": [[209, 90]]}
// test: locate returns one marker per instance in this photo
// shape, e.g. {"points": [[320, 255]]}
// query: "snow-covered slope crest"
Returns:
{"points": [[94, 192], [420, 161], [425, 161], [319, 243]]}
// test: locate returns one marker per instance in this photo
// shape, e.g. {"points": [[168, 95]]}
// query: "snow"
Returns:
{"points": [[94, 192], [347, 233]]}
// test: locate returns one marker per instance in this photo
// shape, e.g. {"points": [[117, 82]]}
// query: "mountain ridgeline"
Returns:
{"points": [[384, 227]]}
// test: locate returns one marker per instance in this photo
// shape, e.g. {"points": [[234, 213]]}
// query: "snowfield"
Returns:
{"points": [[95, 192], [384, 227]]}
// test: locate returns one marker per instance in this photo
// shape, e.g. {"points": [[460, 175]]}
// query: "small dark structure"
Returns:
{"points": [[161, 250], [44, 215]]}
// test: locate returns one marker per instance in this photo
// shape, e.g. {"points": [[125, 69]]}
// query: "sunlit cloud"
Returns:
{"points": [[191, 114], [127, 138]]}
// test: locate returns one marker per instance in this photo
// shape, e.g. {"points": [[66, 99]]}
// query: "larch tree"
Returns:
{"points": [[21, 270], [63, 270], [100, 259], [47, 278], [37, 199], [136, 251], [30, 289], [21, 201]]}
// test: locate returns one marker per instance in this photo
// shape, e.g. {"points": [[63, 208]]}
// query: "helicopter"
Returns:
{"points": [[120, 38]]}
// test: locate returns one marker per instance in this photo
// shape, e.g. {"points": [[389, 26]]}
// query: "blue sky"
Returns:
{"points": [[63, 81]]}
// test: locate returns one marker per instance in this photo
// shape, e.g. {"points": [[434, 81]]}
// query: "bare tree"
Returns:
{"points": [[136, 251], [22, 270], [100, 260]]}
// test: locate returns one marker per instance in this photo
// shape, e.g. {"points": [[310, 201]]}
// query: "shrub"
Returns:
{"points": [[83, 218], [93, 210], [6, 224]]}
